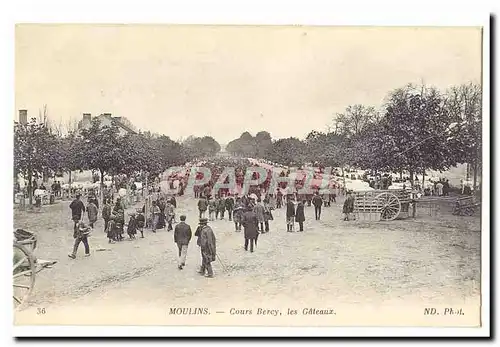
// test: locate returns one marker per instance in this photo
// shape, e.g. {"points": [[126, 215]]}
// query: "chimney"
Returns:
{"points": [[106, 114], [87, 117], [23, 117]]}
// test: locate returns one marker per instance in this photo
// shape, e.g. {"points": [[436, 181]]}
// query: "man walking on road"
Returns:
{"points": [[290, 215], [207, 242], [77, 208], [250, 225], [202, 207], [229, 203], [81, 234], [317, 202], [106, 213], [182, 236], [300, 215]]}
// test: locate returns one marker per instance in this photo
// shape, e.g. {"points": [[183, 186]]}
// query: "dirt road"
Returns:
{"points": [[426, 260]]}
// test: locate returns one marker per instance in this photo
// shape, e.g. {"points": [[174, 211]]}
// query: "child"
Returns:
{"points": [[132, 226], [141, 221], [110, 231]]}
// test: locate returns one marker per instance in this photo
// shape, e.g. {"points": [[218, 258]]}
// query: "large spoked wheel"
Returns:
{"points": [[23, 274], [390, 206]]}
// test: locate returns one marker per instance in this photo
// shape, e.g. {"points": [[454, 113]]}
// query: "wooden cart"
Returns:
{"points": [[26, 266], [382, 205], [466, 206]]}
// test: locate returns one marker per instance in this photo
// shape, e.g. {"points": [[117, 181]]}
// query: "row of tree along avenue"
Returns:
{"points": [[42, 151], [418, 128]]}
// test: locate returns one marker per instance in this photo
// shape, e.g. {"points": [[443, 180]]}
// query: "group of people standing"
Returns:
{"points": [[249, 212], [162, 213]]}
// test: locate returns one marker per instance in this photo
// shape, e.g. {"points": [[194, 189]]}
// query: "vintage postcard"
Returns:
{"points": [[257, 175]]}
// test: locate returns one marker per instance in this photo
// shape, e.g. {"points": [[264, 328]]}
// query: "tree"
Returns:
{"points": [[263, 143], [170, 152], [354, 120], [244, 146], [103, 150], [326, 149], [290, 151], [414, 132], [71, 153], [248, 146], [35, 151], [464, 105], [196, 147]]}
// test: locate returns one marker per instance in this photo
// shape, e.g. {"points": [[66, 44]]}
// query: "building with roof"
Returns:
{"points": [[107, 119]]}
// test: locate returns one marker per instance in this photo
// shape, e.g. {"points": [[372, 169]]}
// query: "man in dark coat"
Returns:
{"points": [[250, 225], [348, 207], [279, 199], [290, 215], [77, 209], [239, 210], [299, 215], [182, 236], [202, 207], [221, 207], [317, 202], [106, 213], [162, 218], [229, 203], [207, 242]]}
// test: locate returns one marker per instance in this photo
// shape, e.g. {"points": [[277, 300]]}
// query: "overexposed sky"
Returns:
{"points": [[223, 80]]}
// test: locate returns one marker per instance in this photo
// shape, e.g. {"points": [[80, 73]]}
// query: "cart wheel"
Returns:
{"points": [[23, 274], [390, 206]]}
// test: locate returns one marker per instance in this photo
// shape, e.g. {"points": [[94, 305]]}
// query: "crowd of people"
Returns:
{"points": [[250, 212]]}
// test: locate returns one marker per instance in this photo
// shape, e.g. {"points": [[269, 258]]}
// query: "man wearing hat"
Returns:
{"points": [[348, 207], [207, 242], [251, 228], [81, 234], [182, 236]]}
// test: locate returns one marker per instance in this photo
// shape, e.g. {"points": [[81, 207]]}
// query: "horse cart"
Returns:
{"points": [[26, 265], [382, 205]]}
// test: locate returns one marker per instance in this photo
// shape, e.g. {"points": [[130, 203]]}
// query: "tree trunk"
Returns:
{"points": [[401, 175], [474, 184], [423, 179], [69, 179], [101, 189], [30, 187], [343, 178], [467, 172], [411, 177]]}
